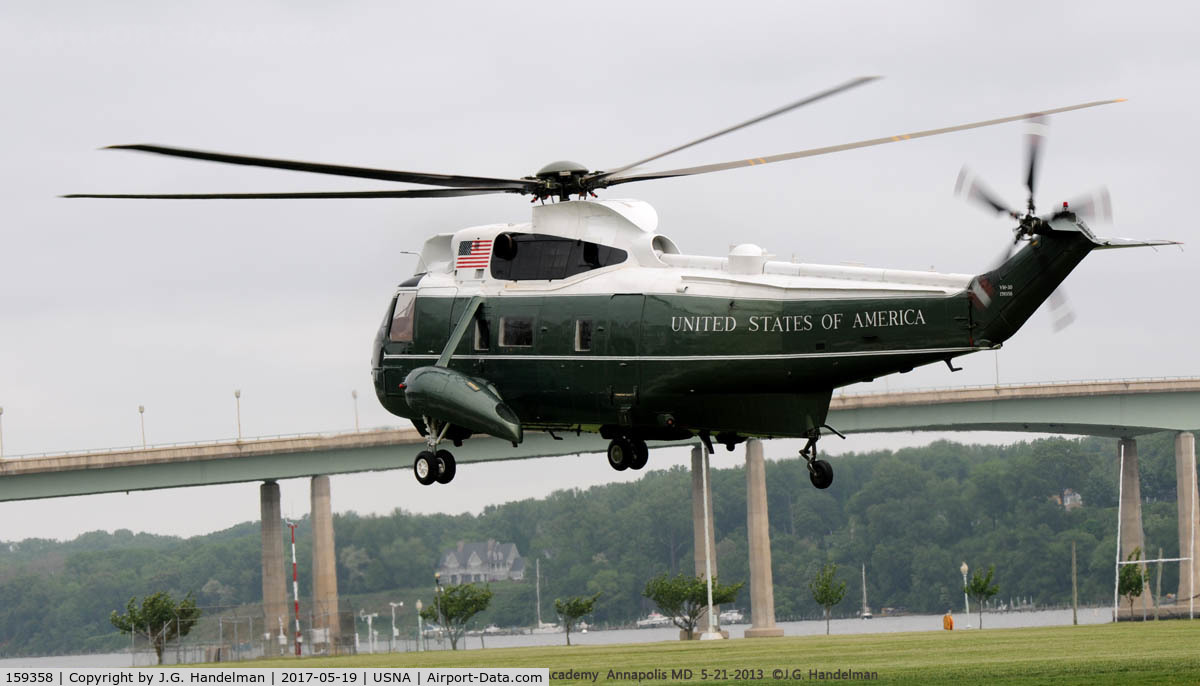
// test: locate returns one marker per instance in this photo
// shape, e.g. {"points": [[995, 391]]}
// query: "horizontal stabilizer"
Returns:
{"points": [[1066, 221], [1113, 243]]}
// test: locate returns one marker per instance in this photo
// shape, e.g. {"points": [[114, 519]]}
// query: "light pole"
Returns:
{"points": [[395, 633], [1, 432], [354, 394], [712, 633], [437, 605], [142, 416], [966, 605], [237, 396], [420, 629]]}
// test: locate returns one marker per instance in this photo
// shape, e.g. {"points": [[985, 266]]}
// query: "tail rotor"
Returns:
{"points": [[1095, 206]]}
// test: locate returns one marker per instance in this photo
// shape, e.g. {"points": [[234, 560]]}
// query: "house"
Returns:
{"points": [[489, 561], [1069, 499]]}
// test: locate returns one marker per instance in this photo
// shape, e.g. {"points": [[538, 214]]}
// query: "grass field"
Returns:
{"points": [[1128, 653]]}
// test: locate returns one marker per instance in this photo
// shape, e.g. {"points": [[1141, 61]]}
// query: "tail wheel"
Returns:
{"points": [[820, 473], [425, 468], [445, 466], [620, 454], [641, 454]]}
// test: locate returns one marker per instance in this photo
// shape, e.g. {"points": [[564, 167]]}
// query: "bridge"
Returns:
{"points": [[1121, 409], [1117, 408]]}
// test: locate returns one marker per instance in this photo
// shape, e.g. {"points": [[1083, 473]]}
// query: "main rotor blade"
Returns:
{"points": [[786, 108], [1036, 135], [754, 161], [452, 180], [423, 193]]}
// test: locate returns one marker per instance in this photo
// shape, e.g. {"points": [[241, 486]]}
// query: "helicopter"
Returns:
{"points": [[586, 318]]}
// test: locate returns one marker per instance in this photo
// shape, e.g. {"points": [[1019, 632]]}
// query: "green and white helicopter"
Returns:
{"points": [[588, 319]]}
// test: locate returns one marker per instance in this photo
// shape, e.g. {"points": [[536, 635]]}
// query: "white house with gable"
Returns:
{"points": [[482, 562]]}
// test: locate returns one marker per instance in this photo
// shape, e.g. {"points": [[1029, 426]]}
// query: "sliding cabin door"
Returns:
{"points": [[622, 344]]}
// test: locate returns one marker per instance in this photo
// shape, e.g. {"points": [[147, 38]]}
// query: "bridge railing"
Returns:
{"points": [[199, 444], [841, 392]]}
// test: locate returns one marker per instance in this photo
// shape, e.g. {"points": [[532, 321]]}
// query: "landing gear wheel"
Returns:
{"points": [[641, 455], [425, 468], [445, 466], [820, 473], [620, 454]]}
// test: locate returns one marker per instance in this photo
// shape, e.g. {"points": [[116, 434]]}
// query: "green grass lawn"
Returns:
{"points": [[1128, 653]]}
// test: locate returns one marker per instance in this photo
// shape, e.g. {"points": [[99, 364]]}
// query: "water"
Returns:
{"points": [[879, 625]]}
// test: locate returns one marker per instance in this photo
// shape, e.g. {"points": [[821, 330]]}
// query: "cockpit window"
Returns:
{"points": [[402, 318], [531, 256]]}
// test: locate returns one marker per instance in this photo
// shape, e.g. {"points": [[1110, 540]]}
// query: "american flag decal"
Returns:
{"points": [[473, 254], [980, 291]]}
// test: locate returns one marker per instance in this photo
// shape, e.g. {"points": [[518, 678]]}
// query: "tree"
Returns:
{"points": [[1131, 581], [980, 588], [685, 598], [573, 608], [827, 591], [159, 618], [454, 606]]}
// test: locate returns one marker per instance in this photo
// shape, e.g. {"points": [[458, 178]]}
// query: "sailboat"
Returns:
{"points": [[542, 627], [865, 612]]}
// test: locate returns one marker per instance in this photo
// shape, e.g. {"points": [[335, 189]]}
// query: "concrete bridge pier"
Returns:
{"points": [[1189, 518], [325, 620], [762, 589], [274, 585], [1132, 534], [700, 476]]}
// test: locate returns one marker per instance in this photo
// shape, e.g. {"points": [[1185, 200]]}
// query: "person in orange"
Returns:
{"points": [[948, 622]]}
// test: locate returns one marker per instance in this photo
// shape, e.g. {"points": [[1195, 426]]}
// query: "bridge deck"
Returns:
{"points": [[1115, 408], [1106, 408]]}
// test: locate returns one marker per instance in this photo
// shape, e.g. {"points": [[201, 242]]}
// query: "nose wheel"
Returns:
{"points": [[433, 465]]}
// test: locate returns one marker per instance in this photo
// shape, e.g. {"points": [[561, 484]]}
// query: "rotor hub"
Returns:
{"points": [[562, 178]]}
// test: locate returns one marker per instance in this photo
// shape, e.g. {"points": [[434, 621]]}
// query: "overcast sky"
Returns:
{"points": [[105, 305]]}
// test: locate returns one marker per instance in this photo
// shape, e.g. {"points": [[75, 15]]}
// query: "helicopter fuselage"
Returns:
{"points": [[636, 339]]}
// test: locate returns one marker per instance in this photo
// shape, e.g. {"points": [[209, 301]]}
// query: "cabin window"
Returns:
{"points": [[402, 318], [528, 257], [516, 332], [482, 334], [583, 335]]}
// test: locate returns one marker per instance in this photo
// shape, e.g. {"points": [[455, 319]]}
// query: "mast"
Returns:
{"points": [[296, 588]]}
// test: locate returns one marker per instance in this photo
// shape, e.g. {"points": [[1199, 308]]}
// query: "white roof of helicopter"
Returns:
{"points": [[655, 264]]}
